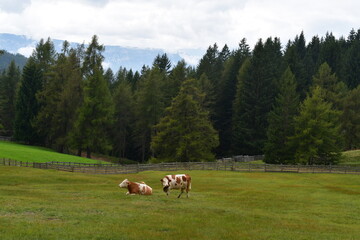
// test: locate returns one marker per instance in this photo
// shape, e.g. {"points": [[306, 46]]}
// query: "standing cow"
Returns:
{"points": [[136, 188], [179, 181]]}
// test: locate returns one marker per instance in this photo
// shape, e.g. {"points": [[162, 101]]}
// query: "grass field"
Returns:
{"points": [[48, 204], [27, 153], [351, 158]]}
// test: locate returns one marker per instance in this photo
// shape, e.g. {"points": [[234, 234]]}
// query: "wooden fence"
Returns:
{"points": [[183, 166]]}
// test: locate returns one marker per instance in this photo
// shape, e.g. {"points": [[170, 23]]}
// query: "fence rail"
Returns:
{"points": [[179, 166]]}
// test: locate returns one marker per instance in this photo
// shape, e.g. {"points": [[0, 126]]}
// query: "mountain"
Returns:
{"points": [[6, 58], [115, 56]]}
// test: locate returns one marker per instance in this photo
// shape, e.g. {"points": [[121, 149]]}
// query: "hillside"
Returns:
{"points": [[27, 153], [350, 158], [6, 58]]}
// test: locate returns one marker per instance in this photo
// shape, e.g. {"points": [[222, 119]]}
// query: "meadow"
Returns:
{"points": [[49, 204], [28, 153]]}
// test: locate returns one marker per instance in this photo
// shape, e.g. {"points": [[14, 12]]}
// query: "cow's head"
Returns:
{"points": [[124, 184], [166, 184]]}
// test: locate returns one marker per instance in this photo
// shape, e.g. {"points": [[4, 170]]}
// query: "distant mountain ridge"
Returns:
{"points": [[115, 56], [6, 58]]}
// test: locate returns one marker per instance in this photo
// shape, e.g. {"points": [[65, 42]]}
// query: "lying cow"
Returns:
{"points": [[179, 181], [136, 188]]}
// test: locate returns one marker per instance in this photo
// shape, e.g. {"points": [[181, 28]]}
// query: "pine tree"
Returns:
{"points": [[351, 119], [123, 119], [211, 64], [352, 61], [334, 90], [185, 133], [227, 90], [330, 52], [149, 109], [208, 89], [27, 106], [256, 97], [163, 63], [295, 57], [8, 86], [317, 131], [172, 83], [281, 121], [95, 115], [109, 77]]}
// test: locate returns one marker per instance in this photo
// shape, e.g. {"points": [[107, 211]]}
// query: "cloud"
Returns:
{"points": [[26, 51], [174, 25], [14, 6]]}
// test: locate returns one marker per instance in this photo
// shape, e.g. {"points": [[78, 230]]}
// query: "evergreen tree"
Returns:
{"points": [[295, 57], [312, 63], [239, 133], [334, 90], [351, 119], [208, 89], [281, 121], [256, 97], [227, 90], [331, 52], [123, 119], [60, 99], [27, 106], [185, 133], [8, 86], [211, 64], [317, 131], [172, 85], [44, 55], [93, 58], [109, 77], [70, 98], [149, 109], [352, 61], [163, 63], [94, 116]]}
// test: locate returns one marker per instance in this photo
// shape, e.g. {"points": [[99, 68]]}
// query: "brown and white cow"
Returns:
{"points": [[136, 188], [179, 181]]}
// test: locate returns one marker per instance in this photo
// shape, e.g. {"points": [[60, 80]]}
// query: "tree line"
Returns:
{"points": [[297, 104]]}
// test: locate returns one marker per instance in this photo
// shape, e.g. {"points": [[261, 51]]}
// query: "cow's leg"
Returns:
{"points": [[182, 190]]}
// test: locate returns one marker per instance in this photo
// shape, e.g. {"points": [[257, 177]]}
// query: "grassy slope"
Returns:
{"points": [[47, 204], [351, 158], [36, 154]]}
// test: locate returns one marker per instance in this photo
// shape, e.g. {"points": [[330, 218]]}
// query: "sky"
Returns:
{"points": [[175, 25]]}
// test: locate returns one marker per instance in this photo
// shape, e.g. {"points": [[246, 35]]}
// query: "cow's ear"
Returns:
{"points": [[161, 180]]}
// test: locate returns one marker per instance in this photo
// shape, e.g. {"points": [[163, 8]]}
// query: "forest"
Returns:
{"points": [[298, 103]]}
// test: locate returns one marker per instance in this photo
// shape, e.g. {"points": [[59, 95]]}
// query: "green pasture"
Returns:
{"points": [[49, 204], [351, 158], [28, 153]]}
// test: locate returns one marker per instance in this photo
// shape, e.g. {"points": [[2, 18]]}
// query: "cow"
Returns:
{"points": [[136, 188], [179, 181]]}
